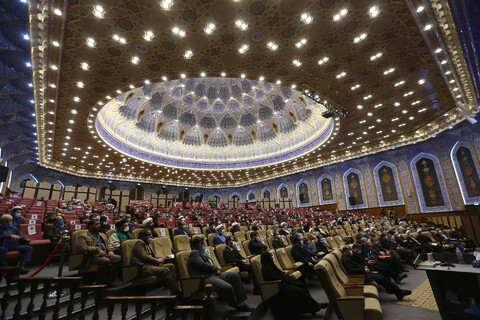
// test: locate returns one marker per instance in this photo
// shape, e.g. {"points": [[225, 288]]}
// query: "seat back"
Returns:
{"points": [[182, 264], [135, 233], [162, 232], [239, 236], [244, 228], [127, 251], [162, 247], [338, 255], [257, 268], [339, 241], [195, 230], [181, 243], [289, 254], [283, 258], [329, 280], [109, 233], [73, 240], [246, 248], [210, 238], [342, 278], [219, 251], [275, 259], [211, 252], [331, 242]]}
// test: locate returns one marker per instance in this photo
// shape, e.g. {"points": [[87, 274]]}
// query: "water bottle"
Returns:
{"points": [[459, 256]]}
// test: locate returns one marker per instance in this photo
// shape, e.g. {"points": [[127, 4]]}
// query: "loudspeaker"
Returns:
{"points": [[3, 173], [351, 201]]}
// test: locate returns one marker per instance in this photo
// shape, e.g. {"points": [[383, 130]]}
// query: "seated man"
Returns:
{"points": [[353, 263], [148, 224], [12, 240], [227, 284], [300, 255], [57, 231], [231, 255], [100, 253], [182, 229], [219, 237], [144, 256], [122, 232], [277, 242], [18, 216], [255, 245], [322, 246], [235, 227]]}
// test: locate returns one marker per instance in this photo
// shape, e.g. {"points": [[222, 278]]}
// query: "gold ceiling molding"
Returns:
{"points": [[447, 26]]}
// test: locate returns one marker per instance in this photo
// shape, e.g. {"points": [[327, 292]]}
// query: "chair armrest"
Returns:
{"points": [[192, 284], [356, 278], [131, 272], [351, 298], [226, 266], [354, 290], [75, 260], [269, 288]]}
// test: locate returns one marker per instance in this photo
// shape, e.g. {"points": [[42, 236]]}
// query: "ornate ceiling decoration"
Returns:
{"points": [[396, 66], [213, 123]]}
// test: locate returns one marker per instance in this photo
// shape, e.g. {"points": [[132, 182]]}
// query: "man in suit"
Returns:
{"points": [[231, 255], [12, 240], [100, 253], [354, 264], [255, 245], [59, 230], [143, 255], [227, 284], [182, 229], [321, 245], [389, 243], [299, 254]]}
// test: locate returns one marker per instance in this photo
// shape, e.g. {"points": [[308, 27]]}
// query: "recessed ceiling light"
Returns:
{"points": [[399, 83], [71, 121], [241, 24], [99, 12], [427, 27], [209, 28], [117, 38], [135, 60], [297, 63], [164, 78], [306, 18], [90, 42], [183, 76], [278, 82], [202, 74], [373, 11], [301, 43], [223, 74], [148, 35], [179, 32], [376, 56], [420, 9], [261, 78], [243, 48], [84, 66], [355, 87], [388, 71], [166, 4], [272, 46], [57, 11], [80, 84], [359, 107], [323, 60], [341, 75], [52, 85], [188, 54], [360, 38]]}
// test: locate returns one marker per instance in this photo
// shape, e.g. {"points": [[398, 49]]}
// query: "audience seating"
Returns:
{"points": [[181, 243], [348, 302], [162, 247], [267, 288]]}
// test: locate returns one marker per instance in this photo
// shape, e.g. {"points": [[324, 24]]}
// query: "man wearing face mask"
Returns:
{"points": [[18, 218], [122, 232], [57, 231], [100, 253], [143, 255], [219, 237], [182, 229], [11, 239], [148, 224]]}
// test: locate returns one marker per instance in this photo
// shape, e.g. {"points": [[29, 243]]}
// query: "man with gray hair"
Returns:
{"points": [[13, 240]]}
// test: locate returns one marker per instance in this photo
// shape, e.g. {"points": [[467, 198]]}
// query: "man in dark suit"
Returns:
{"points": [[321, 245], [354, 264], [389, 243], [231, 255], [143, 255], [227, 284], [255, 245], [12, 240], [300, 255]]}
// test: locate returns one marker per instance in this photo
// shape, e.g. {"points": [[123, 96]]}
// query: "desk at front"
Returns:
{"points": [[456, 290]]}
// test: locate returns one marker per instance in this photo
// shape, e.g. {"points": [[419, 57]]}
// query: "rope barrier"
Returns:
{"points": [[48, 259]]}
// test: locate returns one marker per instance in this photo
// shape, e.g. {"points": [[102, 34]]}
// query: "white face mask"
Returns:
{"points": [[126, 229]]}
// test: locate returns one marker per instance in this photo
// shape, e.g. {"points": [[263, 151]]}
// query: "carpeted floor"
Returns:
{"points": [[421, 297]]}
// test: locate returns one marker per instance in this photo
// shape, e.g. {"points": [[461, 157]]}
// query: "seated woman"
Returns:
{"points": [[293, 300]]}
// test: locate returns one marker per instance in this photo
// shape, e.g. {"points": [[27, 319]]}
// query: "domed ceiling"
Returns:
{"points": [[214, 123], [170, 91]]}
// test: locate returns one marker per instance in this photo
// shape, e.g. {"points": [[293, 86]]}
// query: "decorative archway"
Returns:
{"points": [[198, 197], [354, 186], [266, 194], [387, 182], [251, 197], [283, 191], [429, 183], [465, 163], [136, 193], [304, 199], [326, 189]]}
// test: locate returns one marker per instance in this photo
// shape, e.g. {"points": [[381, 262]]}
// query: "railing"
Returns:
{"points": [[26, 304]]}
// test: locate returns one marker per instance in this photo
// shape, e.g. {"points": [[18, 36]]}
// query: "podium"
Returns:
{"points": [[456, 289]]}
